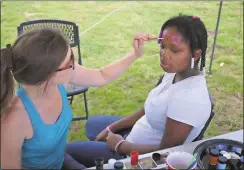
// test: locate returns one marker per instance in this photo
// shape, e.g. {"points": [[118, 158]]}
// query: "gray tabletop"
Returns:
{"points": [[236, 135]]}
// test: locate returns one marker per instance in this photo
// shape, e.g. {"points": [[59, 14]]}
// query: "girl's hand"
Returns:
{"points": [[113, 139]]}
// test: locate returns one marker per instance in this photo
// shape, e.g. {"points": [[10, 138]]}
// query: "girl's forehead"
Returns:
{"points": [[171, 36]]}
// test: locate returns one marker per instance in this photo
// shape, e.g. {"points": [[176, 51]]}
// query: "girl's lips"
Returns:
{"points": [[163, 64]]}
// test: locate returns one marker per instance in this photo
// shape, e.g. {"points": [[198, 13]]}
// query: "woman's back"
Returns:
{"points": [[44, 142]]}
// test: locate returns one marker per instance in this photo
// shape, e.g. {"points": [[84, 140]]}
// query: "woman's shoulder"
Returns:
{"points": [[15, 116]]}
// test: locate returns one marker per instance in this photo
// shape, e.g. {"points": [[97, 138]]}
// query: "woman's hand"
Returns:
{"points": [[113, 139], [138, 43]]}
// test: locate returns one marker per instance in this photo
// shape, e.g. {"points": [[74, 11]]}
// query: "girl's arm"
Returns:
{"points": [[172, 137]]}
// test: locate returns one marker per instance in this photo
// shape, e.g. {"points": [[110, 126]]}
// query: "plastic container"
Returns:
{"points": [[118, 165], [222, 161], [99, 161], [134, 158]]}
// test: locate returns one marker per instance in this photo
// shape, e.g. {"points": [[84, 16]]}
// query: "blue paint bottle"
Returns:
{"points": [[222, 161]]}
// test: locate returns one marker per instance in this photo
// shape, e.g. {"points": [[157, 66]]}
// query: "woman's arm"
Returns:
{"points": [[11, 144], [98, 77], [172, 137]]}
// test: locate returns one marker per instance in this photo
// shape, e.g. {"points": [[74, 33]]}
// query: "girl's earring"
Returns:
{"points": [[192, 62]]}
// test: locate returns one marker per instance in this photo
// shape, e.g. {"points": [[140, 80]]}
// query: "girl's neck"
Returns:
{"points": [[185, 74]]}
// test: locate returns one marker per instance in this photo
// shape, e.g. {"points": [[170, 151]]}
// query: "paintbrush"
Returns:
{"points": [[151, 39]]}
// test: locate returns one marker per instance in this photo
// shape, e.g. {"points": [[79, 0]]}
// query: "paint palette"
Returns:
{"points": [[233, 150], [156, 161]]}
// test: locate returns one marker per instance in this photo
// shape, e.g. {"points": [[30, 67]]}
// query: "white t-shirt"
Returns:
{"points": [[186, 101]]}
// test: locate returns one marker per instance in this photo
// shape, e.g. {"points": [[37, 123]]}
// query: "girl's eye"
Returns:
{"points": [[162, 47]]}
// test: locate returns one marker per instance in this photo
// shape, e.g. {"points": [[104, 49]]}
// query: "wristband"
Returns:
{"points": [[117, 145], [108, 129]]}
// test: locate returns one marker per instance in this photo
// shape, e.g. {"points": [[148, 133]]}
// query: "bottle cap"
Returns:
{"points": [[238, 151], [134, 158], [234, 155], [233, 149], [227, 155], [111, 163], [223, 152], [156, 156], [118, 165], [214, 152], [229, 147], [99, 161], [242, 159], [221, 147], [208, 149], [222, 160]]}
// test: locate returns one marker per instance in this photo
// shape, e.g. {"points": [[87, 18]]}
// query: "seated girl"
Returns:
{"points": [[174, 112]]}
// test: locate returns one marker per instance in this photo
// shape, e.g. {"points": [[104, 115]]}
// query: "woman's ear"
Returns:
{"points": [[197, 54]]}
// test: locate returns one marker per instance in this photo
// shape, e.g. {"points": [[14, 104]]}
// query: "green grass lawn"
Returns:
{"points": [[112, 39]]}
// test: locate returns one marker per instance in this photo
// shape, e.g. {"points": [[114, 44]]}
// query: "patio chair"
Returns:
{"points": [[71, 32]]}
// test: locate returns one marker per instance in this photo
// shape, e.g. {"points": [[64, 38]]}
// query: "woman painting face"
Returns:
{"points": [[68, 63], [64, 72], [175, 53]]}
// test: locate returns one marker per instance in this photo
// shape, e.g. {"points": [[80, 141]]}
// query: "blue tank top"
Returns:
{"points": [[45, 150]]}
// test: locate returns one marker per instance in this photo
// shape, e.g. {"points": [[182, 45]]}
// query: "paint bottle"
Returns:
{"points": [[134, 158], [111, 163], [227, 155], [213, 160], [238, 151], [221, 153], [222, 161], [230, 148], [118, 165], [99, 163], [240, 163]]}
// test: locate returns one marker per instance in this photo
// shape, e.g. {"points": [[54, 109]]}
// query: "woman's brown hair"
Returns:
{"points": [[34, 58]]}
